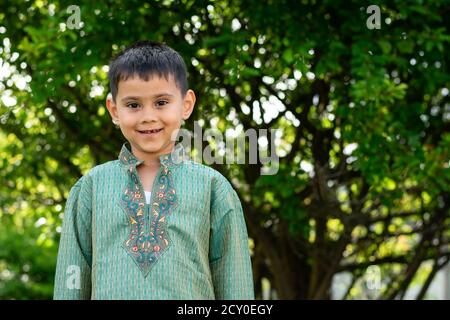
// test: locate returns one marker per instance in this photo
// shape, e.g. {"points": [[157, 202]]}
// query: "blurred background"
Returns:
{"points": [[359, 208]]}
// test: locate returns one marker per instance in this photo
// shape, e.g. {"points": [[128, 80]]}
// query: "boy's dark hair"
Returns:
{"points": [[146, 58]]}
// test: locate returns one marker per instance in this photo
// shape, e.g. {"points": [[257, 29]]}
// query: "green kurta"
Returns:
{"points": [[190, 242]]}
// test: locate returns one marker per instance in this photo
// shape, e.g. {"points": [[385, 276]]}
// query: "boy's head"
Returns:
{"points": [[149, 90]]}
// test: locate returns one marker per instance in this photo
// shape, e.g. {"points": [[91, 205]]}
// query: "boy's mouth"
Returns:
{"points": [[150, 132]]}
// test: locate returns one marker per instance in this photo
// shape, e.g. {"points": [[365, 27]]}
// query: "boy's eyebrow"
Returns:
{"points": [[163, 94]]}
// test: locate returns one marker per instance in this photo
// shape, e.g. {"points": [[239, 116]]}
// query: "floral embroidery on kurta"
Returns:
{"points": [[147, 241]]}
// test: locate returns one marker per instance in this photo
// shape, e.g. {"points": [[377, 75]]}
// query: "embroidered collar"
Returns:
{"points": [[173, 158]]}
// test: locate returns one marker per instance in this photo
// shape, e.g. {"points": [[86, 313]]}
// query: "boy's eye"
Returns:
{"points": [[161, 103], [133, 105]]}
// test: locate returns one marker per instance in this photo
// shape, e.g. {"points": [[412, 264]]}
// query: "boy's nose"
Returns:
{"points": [[149, 114]]}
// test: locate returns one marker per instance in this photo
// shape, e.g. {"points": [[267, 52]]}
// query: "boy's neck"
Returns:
{"points": [[152, 160]]}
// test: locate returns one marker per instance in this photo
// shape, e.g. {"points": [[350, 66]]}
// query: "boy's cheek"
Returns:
{"points": [[128, 122]]}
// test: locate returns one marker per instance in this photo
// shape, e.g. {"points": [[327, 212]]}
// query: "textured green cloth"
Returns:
{"points": [[190, 242]]}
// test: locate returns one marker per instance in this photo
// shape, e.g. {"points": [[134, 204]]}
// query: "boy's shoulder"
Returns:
{"points": [[103, 168], [219, 184], [205, 170], [92, 174]]}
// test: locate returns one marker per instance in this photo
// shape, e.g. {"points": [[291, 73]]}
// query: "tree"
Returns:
{"points": [[364, 168]]}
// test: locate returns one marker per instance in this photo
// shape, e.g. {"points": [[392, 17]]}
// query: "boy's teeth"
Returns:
{"points": [[150, 131]]}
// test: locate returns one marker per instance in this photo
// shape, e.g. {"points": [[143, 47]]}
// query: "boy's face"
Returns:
{"points": [[147, 105]]}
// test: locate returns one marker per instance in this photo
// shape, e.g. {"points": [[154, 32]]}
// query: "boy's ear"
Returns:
{"points": [[111, 106], [188, 104]]}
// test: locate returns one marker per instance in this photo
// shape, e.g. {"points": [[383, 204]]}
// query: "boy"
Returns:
{"points": [[149, 226]]}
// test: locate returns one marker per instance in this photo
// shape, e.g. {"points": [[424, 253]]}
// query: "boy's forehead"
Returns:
{"points": [[153, 84]]}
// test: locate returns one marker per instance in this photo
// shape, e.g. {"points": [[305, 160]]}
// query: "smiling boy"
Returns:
{"points": [[148, 225]]}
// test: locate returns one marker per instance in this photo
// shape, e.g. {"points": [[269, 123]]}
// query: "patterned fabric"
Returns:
{"points": [[189, 242], [146, 243]]}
